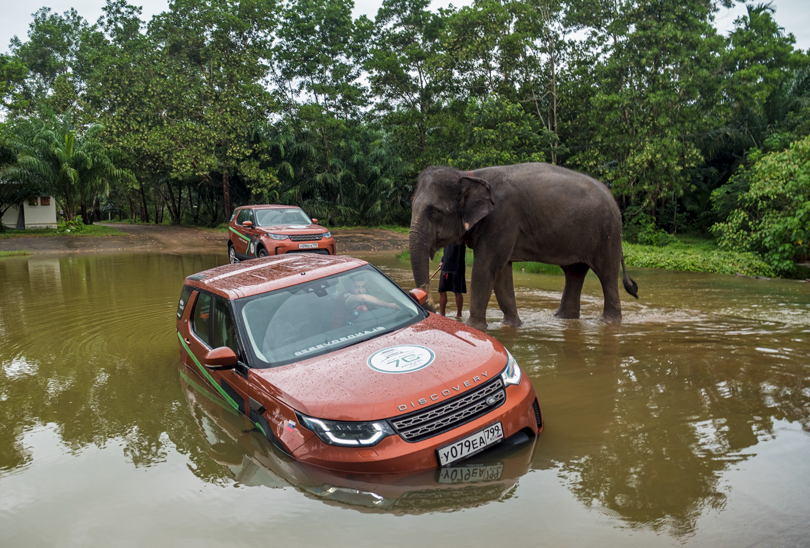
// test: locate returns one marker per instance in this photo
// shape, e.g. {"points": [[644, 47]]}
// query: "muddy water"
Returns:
{"points": [[685, 426]]}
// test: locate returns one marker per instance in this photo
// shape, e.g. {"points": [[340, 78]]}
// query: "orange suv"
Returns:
{"points": [[262, 230], [340, 368]]}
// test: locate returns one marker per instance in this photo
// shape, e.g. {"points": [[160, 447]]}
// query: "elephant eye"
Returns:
{"points": [[434, 213]]}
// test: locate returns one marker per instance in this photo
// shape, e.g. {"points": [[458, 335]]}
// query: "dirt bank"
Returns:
{"points": [[180, 239]]}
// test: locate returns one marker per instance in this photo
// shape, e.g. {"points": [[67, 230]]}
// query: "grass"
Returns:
{"points": [[89, 230], [695, 255], [690, 253], [13, 253]]}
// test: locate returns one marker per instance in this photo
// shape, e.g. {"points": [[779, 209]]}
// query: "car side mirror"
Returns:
{"points": [[419, 295], [314, 221], [220, 358], [247, 224]]}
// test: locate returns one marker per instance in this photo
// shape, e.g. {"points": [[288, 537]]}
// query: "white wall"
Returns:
{"points": [[36, 216]]}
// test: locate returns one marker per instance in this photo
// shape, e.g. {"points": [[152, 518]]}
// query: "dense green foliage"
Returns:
{"points": [[216, 103], [773, 217], [695, 258]]}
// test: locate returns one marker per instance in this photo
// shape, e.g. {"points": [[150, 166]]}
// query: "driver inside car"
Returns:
{"points": [[358, 300]]}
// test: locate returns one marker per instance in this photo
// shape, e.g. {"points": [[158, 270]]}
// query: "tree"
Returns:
{"points": [[209, 87], [68, 162], [405, 75], [773, 219], [318, 56], [649, 70], [51, 57], [12, 75], [12, 192], [500, 133]]}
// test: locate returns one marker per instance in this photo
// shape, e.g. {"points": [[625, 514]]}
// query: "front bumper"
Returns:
{"points": [[393, 454], [280, 247]]}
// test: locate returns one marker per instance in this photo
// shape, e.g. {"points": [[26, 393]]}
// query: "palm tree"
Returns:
{"points": [[69, 161]]}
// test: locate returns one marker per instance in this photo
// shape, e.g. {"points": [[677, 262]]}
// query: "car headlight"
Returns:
{"points": [[327, 234], [511, 374], [278, 236], [347, 433]]}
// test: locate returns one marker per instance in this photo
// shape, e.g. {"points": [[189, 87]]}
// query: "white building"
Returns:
{"points": [[37, 212]]}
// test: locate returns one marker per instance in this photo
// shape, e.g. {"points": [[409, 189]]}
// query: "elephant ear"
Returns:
{"points": [[476, 201]]}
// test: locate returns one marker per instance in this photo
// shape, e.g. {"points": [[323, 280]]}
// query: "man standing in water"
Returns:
{"points": [[453, 277]]}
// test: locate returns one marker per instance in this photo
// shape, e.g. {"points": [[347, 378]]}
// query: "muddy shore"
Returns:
{"points": [[180, 239]]}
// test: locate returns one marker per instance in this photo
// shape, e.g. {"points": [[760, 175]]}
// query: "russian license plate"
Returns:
{"points": [[307, 246], [471, 474], [470, 445]]}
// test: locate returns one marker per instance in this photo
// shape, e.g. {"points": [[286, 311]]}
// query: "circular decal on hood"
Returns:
{"points": [[404, 358]]}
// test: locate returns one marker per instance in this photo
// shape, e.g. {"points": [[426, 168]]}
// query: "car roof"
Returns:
{"points": [[255, 276], [269, 206]]}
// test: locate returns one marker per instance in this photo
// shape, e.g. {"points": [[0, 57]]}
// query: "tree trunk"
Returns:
{"points": [[226, 195], [145, 213]]}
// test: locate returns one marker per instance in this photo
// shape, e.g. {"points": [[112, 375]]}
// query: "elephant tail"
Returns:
{"points": [[629, 285]]}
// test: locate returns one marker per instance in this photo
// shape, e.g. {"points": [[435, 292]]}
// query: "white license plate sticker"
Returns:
{"points": [[307, 246], [471, 474], [470, 445]]}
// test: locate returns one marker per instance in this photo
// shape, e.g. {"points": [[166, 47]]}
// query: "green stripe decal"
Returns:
{"points": [[238, 234], [206, 374], [214, 398]]}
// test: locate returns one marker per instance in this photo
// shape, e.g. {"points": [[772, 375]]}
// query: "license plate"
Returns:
{"points": [[470, 445], [307, 246], [470, 474]]}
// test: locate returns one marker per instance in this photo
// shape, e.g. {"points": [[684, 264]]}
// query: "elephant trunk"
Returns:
{"points": [[420, 264]]}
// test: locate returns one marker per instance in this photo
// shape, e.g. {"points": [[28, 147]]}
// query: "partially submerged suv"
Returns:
{"points": [[262, 230], [340, 368]]}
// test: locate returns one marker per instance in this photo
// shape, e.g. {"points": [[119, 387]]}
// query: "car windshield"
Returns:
{"points": [[312, 318], [284, 216]]}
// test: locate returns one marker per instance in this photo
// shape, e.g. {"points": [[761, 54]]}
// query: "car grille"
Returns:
{"points": [[306, 237], [448, 415]]}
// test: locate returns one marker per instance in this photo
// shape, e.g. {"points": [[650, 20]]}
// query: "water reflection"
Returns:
{"points": [[83, 345], [235, 449], [646, 422]]}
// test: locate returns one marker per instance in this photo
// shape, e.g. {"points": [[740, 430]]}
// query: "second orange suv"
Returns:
{"points": [[262, 230]]}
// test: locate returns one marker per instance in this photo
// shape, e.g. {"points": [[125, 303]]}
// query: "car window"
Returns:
{"points": [[323, 315], [282, 216], [201, 323], [244, 215], [184, 295], [224, 328]]}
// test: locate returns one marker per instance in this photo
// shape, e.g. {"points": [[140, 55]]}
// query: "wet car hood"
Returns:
{"points": [[342, 385]]}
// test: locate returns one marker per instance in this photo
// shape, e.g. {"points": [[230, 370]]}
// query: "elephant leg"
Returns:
{"points": [[481, 283], [608, 275], [505, 294], [574, 278]]}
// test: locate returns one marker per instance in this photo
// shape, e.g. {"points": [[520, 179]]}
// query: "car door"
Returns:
{"points": [[243, 235], [212, 326]]}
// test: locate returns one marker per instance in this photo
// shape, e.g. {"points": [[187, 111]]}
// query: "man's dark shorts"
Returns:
{"points": [[452, 282]]}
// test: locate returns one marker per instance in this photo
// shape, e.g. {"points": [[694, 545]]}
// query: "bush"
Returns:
{"points": [[773, 217], [655, 237], [696, 259], [73, 226]]}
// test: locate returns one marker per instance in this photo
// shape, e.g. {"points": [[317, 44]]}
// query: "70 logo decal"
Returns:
{"points": [[401, 359]]}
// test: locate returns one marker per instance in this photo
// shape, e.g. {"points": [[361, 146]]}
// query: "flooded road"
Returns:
{"points": [[688, 425]]}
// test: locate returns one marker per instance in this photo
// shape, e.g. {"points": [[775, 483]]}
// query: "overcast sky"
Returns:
{"points": [[792, 15]]}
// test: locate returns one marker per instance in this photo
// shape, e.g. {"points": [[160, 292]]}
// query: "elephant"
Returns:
{"points": [[523, 212]]}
